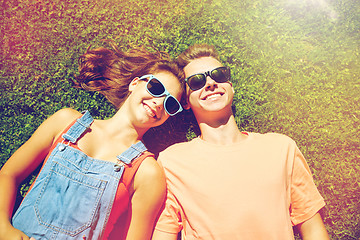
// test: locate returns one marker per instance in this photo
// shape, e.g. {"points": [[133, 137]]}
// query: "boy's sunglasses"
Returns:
{"points": [[198, 81], [157, 89]]}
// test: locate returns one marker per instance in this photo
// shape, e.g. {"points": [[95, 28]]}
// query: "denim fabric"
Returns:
{"points": [[73, 194]]}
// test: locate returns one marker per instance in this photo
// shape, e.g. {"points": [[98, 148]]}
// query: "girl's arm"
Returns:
{"points": [[158, 235], [148, 197], [23, 162]]}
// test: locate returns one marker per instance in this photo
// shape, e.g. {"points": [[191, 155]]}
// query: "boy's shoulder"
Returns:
{"points": [[180, 146], [179, 149], [271, 136]]}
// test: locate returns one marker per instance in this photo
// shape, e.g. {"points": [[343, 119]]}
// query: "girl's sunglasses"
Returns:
{"points": [[198, 81], [157, 89]]}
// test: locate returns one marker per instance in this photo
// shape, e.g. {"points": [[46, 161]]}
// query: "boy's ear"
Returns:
{"points": [[232, 87], [133, 84]]}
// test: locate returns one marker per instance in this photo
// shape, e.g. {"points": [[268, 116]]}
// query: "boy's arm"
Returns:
{"points": [[169, 221], [313, 229]]}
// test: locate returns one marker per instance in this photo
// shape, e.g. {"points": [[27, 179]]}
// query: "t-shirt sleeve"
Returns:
{"points": [[170, 218], [306, 200]]}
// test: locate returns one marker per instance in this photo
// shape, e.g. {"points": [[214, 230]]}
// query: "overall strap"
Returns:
{"points": [[129, 155], [79, 127], [132, 152]]}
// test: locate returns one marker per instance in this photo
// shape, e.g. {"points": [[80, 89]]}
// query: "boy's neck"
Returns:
{"points": [[221, 131]]}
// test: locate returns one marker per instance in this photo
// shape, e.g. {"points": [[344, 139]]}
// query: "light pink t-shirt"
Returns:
{"points": [[256, 189]]}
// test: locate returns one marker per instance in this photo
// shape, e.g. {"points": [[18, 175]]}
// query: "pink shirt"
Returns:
{"points": [[256, 189]]}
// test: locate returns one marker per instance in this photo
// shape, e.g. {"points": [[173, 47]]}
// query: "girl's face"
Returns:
{"points": [[146, 110]]}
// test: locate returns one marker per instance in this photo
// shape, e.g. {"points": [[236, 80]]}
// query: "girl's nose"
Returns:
{"points": [[158, 102]]}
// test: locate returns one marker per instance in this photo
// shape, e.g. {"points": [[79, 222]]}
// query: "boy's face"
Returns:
{"points": [[213, 97]]}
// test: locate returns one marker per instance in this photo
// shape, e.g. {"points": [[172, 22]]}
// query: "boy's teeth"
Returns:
{"points": [[213, 96]]}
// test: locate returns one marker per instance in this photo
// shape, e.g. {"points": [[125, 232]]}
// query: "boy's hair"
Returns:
{"points": [[110, 71], [196, 51]]}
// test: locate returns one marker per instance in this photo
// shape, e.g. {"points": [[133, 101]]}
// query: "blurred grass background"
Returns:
{"points": [[295, 68]]}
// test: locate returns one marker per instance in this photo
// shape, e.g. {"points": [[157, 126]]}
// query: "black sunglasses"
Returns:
{"points": [[198, 81], [157, 89]]}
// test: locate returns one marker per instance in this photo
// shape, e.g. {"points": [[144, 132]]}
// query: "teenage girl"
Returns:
{"points": [[98, 180]]}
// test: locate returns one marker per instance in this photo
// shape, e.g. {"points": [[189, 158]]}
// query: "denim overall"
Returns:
{"points": [[73, 194]]}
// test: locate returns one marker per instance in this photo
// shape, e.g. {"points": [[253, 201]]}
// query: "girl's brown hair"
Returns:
{"points": [[196, 51], [111, 71]]}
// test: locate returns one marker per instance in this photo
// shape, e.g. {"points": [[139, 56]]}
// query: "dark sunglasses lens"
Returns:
{"points": [[172, 105], [221, 74], [155, 87], [197, 81]]}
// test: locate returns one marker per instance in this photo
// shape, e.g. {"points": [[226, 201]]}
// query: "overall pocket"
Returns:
{"points": [[69, 200]]}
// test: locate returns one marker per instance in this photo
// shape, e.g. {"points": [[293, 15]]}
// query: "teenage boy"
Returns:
{"points": [[228, 184]]}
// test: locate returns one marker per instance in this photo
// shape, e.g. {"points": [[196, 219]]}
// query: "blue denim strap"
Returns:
{"points": [[79, 127], [132, 152]]}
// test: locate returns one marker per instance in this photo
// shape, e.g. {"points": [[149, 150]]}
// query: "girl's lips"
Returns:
{"points": [[151, 112]]}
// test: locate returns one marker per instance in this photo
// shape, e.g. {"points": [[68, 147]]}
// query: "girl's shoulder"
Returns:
{"points": [[66, 114], [149, 170], [150, 175], [60, 120]]}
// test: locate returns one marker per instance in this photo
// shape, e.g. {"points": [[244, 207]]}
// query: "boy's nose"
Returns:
{"points": [[210, 83]]}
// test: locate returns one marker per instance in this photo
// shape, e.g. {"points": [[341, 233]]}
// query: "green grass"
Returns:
{"points": [[295, 68]]}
